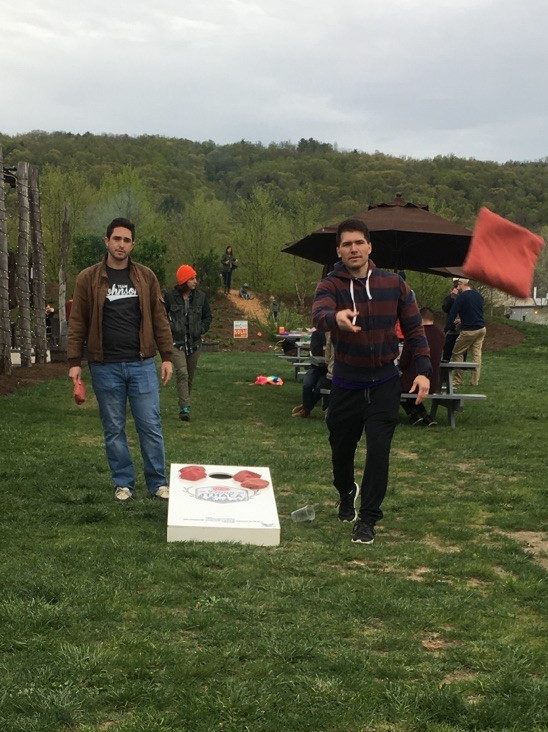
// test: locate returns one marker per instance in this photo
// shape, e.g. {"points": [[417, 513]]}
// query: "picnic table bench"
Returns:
{"points": [[447, 397]]}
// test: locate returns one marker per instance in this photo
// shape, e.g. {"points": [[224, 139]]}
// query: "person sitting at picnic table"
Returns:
{"points": [[313, 379], [245, 292], [452, 334], [418, 416]]}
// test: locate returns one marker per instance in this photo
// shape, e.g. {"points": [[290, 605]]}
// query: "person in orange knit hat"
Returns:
{"points": [[189, 316]]}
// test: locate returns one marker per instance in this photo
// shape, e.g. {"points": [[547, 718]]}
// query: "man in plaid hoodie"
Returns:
{"points": [[360, 305]]}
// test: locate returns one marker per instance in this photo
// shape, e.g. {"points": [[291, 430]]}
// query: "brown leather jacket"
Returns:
{"points": [[86, 316]]}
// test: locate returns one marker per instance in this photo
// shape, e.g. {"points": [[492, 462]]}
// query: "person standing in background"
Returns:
{"points": [[468, 306], [118, 313], [189, 316], [274, 310], [228, 265]]}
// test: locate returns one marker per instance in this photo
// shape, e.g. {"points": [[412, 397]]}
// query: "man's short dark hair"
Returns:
{"points": [[352, 225], [426, 313], [126, 223]]}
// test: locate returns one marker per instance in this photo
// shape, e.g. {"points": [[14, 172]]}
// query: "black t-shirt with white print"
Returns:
{"points": [[121, 318]]}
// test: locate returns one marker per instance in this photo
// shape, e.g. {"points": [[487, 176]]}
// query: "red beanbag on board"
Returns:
{"points": [[192, 472], [502, 254], [245, 475], [79, 392], [254, 483]]}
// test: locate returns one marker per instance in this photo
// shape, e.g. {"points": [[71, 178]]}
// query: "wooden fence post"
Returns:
{"points": [[5, 330], [38, 273], [23, 247], [63, 260]]}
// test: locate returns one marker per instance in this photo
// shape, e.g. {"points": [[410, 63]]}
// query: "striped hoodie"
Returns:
{"points": [[381, 298]]}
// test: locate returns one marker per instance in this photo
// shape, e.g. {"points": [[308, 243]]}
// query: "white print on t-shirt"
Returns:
{"points": [[121, 292]]}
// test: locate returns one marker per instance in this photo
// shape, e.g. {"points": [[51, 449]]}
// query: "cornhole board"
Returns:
{"points": [[216, 509]]}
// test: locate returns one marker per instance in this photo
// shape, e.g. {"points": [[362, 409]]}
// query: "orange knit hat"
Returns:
{"points": [[185, 273]]}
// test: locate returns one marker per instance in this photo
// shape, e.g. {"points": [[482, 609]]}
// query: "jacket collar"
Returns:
{"points": [[339, 270]]}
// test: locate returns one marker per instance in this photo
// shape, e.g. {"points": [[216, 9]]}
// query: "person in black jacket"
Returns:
{"points": [[468, 306], [189, 316], [228, 265], [452, 334]]}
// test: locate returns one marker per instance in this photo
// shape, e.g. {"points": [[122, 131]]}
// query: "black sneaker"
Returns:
{"points": [[415, 419], [363, 533], [428, 421], [347, 512]]}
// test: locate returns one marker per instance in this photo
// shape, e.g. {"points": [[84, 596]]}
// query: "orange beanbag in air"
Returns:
{"points": [[254, 483], [79, 392], [192, 472], [502, 254], [245, 475]]}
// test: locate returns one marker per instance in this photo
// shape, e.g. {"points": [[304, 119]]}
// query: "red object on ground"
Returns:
{"points": [[254, 483], [502, 254], [192, 472], [245, 475], [79, 392]]}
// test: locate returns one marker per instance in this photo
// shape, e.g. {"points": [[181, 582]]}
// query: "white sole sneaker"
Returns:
{"points": [[122, 493], [162, 492]]}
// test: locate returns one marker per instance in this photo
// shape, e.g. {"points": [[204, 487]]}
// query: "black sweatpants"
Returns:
{"points": [[350, 413]]}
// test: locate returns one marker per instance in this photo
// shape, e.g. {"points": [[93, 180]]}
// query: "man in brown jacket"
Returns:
{"points": [[119, 314]]}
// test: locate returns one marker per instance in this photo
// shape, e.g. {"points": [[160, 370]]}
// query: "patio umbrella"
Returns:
{"points": [[404, 236]]}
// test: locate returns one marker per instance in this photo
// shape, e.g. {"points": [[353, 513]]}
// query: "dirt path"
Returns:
{"points": [[252, 309]]}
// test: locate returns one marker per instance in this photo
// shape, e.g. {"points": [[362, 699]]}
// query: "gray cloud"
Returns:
{"points": [[414, 78]]}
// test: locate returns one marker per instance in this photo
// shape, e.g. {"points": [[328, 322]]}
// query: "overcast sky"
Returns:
{"points": [[406, 77]]}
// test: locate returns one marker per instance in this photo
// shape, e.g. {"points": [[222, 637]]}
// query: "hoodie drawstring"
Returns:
{"points": [[368, 291]]}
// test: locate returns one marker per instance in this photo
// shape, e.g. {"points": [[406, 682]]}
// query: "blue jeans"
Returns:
{"points": [[312, 385], [114, 384]]}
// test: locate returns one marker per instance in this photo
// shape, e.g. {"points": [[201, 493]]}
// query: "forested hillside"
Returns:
{"points": [[190, 199]]}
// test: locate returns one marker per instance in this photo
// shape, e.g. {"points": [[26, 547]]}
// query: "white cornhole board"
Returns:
{"points": [[220, 509]]}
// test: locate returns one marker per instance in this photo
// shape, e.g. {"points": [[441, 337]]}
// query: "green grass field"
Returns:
{"points": [[437, 627]]}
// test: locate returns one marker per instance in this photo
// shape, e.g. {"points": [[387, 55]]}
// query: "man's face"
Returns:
{"points": [[120, 244], [192, 283], [354, 250]]}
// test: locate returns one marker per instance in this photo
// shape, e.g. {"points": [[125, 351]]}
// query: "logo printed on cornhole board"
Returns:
{"points": [[222, 503]]}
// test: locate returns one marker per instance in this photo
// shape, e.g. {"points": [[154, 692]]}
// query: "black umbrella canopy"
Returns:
{"points": [[403, 235]]}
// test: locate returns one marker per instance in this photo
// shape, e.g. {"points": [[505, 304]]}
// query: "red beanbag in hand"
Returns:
{"points": [[502, 254], [245, 475], [192, 472], [79, 392], [254, 483]]}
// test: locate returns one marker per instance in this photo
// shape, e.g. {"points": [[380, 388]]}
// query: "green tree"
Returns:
{"points": [[126, 194], [304, 215], [88, 249], [207, 267], [152, 253], [204, 225], [262, 228], [60, 188]]}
